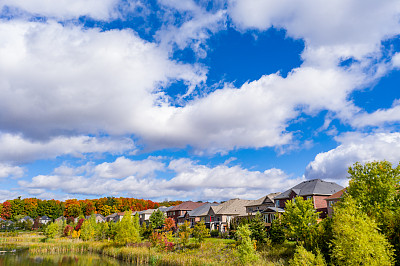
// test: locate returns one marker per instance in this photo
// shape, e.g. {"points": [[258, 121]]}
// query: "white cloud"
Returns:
{"points": [[16, 149], [7, 195], [66, 9], [354, 147], [9, 171], [191, 181], [343, 24]]}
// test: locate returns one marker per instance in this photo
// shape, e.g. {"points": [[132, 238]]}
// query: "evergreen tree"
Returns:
{"points": [[257, 229], [157, 219]]}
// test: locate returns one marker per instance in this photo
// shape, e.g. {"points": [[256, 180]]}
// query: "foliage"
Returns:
{"points": [[356, 239], [79, 225], [214, 233], [68, 230], [128, 229], [302, 257], [51, 230], [246, 249], [300, 221], [162, 241], [324, 238], [88, 230], [157, 219], [184, 233], [276, 232], [257, 229], [146, 230], [375, 186], [200, 232], [169, 224]]}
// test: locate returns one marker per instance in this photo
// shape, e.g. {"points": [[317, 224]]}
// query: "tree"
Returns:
{"points": [[276, 232], [128, 231], [245, 247], [375, 186], [184, 233], [157, 219], [300, 220], [169, 224], [87, 231], [356, 239], [200, 232], [51, 230], [257, 229]]}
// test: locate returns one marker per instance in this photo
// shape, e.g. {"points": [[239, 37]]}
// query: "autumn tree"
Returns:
{"points": [[128, 229], [200, 232], [169, 224], [184, 233]]}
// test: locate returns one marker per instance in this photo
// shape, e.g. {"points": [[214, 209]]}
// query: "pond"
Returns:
{"points": [[19, 256]]}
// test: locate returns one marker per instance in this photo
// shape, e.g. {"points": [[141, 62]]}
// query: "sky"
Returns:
{"points": [[193, 100]]}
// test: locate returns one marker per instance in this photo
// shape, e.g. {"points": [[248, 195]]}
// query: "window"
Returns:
{"points": [[277, 203], [309, 197], [330, 203]]}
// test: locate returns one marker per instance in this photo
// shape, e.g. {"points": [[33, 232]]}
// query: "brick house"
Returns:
{"points": [[331, 200], [316, 189], [180, 210]]}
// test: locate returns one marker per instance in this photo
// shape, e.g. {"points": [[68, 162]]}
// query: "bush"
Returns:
{"points": [[246, 248], [276, 233], [302, 257], [68, 230], [214, 233], [51, 230]]}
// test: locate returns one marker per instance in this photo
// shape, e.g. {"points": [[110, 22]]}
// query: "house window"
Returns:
{"points": [[330, 203], [277, 203], [309, 197]]}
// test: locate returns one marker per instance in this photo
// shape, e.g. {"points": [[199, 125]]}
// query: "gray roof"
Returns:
{"points": [[268, 198], [233, 206], [202, 210], [45, 217], [312, 187], [165, 209], [148, 211]]}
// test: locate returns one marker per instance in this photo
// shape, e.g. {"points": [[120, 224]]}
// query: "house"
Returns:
{"points": [[271, 213], [116, 217], [180, 210], [261, 204], [44, 219], [26, 219], [316, 189], [220, 216], [198, 214], [61, 218], [165, 209], [98, 217], [144, 216], [331, 200]]}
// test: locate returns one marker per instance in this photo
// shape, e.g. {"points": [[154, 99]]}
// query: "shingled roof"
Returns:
{"points": [[270, 197], [233, 206], [337, 195], [202, 210], [187, 206], [312, 187]]}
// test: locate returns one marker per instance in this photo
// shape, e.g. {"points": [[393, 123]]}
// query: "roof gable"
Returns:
{"points": [[187, 206], [202, 210]]}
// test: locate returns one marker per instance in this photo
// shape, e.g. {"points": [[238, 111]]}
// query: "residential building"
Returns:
{"points": [[44, 219], [331, 200], [61, 218], [98, 217], [198, 214], [220, 216], [26, 219], [317, 190], [261, 203], [144, 216], [180, 210]]}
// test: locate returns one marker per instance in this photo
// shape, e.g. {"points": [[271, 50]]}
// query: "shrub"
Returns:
{"points": [[51, 230], [68, 230], [276, 233], [214, 233], [246, 248], [302, 257], [200, 232]]}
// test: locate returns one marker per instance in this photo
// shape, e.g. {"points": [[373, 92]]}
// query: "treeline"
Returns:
{"points": [[32, 207]]}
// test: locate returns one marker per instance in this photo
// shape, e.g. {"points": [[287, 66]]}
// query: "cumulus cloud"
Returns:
{"points": [[65, 9], [6, 195], [190, 181], [9, 171], [354, 147], [16, 149]]}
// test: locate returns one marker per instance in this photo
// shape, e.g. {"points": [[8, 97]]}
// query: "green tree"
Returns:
{"points": [[128, 229], [257, 229], [200, 232], [300, 221], [276, 232], [88, 229], [51, 230], [157, 219], [302, 257], [356, 238], [246, 249], [375, 186], [184, 233]]}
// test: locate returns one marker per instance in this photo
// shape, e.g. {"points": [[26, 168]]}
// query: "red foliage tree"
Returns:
{"points": [[6, 212]]}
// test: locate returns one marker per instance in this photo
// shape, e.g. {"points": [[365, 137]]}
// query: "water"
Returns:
{"points": [[19, 256]]}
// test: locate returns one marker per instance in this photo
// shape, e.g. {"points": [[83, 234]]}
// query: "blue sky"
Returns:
{"points": [[200, 100]]}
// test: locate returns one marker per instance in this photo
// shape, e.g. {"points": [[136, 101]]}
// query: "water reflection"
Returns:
{"points": [[22, 257]]}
